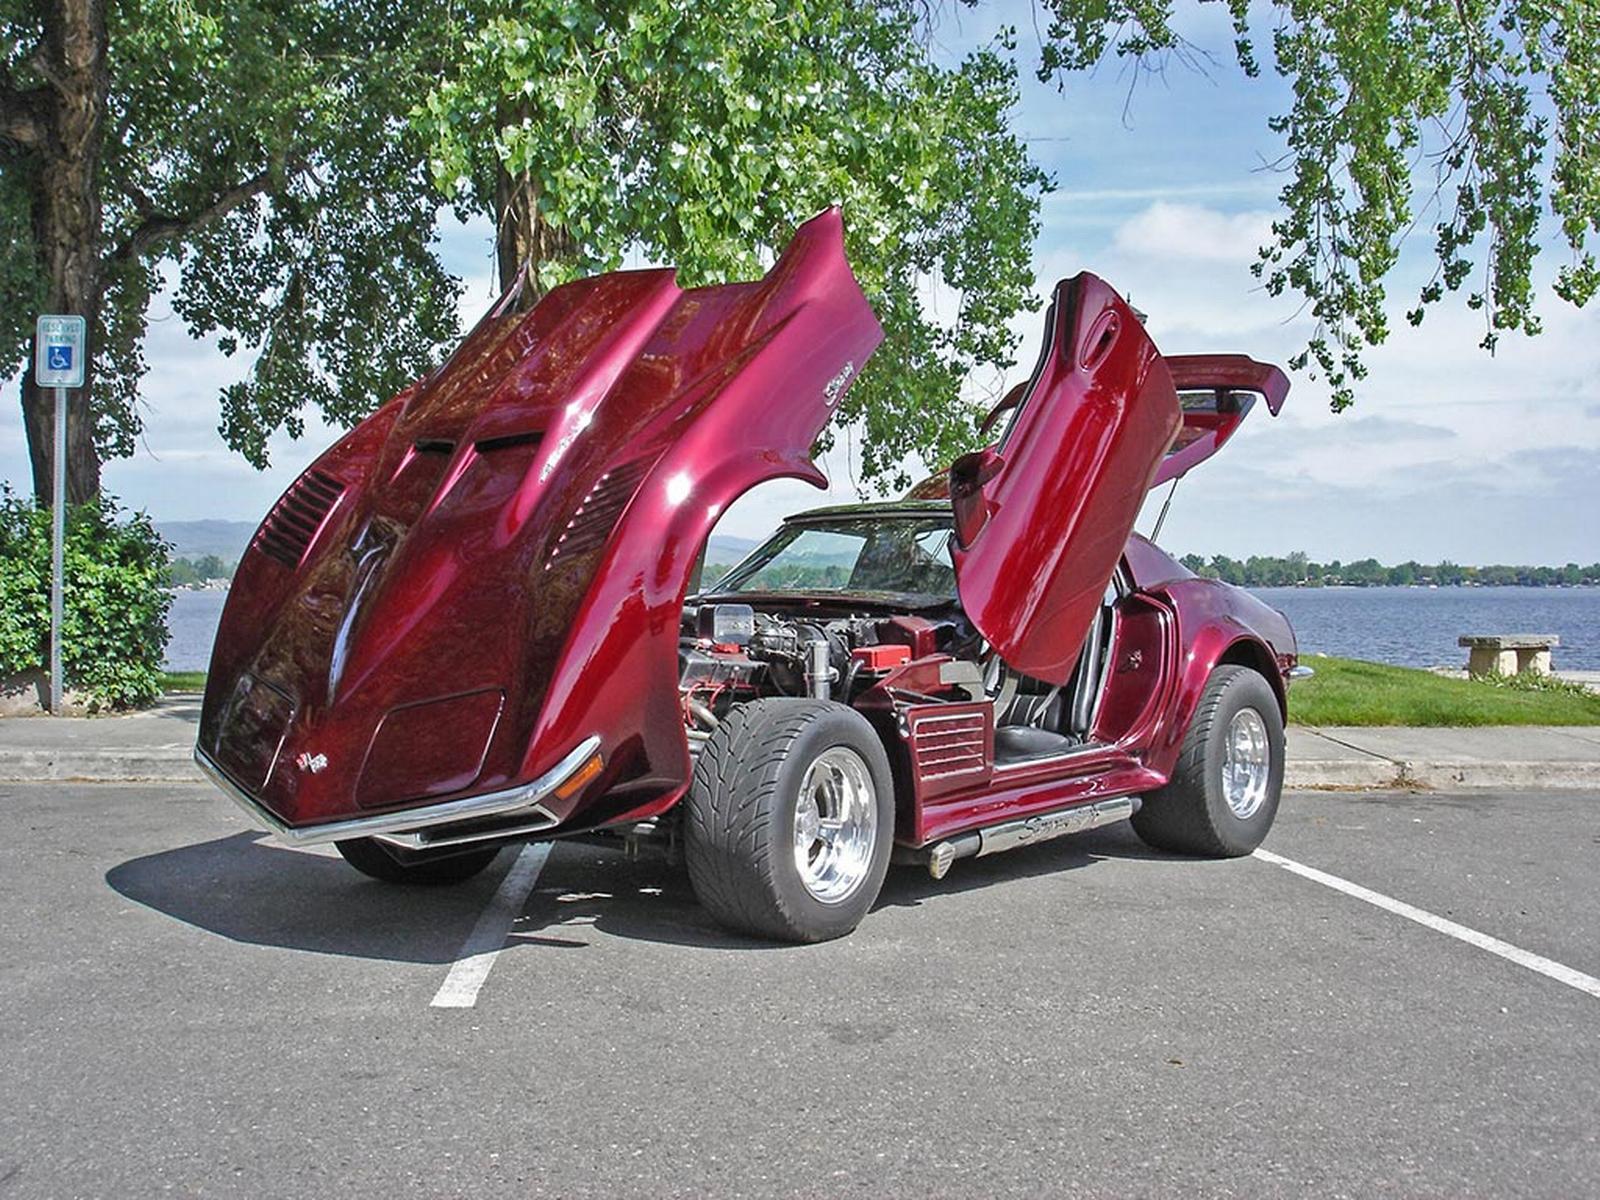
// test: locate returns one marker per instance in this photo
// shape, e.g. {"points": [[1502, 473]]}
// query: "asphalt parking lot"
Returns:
{"points": [[186, 1009]]}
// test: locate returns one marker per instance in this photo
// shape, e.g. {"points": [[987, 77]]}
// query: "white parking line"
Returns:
{"points": [[1547, 967], [488, 937]]}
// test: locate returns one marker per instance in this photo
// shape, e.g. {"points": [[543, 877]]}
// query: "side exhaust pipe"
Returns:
{"points": [[1011, 834]]}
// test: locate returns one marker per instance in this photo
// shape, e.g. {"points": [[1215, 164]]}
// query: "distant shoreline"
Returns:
{"points": [[1428, 587]]}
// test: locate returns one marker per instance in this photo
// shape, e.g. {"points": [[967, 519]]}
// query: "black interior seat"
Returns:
{"points": [[1020, 743], [1043, 709], [1040, 720]]}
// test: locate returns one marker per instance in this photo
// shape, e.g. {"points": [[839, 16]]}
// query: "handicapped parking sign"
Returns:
{"points": [[58, 361]]}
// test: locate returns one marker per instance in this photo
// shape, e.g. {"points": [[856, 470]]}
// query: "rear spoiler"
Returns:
{"points": [[1233, 381]]}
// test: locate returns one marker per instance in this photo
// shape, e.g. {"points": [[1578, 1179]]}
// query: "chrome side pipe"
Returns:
{"points": [[1011, 834]]}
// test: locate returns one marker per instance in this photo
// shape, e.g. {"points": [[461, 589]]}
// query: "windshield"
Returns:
{"points": [[900, 556]]}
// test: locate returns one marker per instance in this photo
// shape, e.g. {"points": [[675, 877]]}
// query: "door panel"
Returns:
{"points": [[1042, 515]]}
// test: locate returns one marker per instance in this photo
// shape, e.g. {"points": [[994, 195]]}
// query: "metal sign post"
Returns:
{"points": [[60, 344]]}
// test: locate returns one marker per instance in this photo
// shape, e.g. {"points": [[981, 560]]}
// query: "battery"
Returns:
{"points": [[881, 658]]}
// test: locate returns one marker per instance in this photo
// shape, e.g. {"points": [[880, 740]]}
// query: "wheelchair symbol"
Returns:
{"points": [[58, 358]]}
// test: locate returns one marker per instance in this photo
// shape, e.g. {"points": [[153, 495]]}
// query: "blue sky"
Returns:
{"points": [[1449, 453]]}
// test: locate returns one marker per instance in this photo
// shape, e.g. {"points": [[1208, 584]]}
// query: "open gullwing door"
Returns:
{"points": [[1041, 515]]}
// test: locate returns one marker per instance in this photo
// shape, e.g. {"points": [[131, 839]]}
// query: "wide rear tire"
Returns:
{"points": [[789, 820], [370, 858], [1224, 792]]}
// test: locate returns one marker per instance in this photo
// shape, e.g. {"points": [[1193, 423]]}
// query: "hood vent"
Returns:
{"points": [[597, 516], [507, 440], [296, 517]]}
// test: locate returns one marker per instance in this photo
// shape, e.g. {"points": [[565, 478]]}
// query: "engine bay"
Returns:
{"points": [[733, 652]]}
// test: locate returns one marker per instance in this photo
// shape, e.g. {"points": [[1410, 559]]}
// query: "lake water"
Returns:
{"points": [[1411, 627], [192, 623], [1418, 627]]}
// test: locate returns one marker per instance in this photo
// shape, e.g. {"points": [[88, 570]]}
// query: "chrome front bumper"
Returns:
{"points": [[427, 827]]}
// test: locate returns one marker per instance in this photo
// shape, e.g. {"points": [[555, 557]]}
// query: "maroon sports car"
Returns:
{"points": [[478, 619]]}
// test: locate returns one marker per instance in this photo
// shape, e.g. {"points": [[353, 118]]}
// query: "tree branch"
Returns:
{"points": [[22, 113], [157, 227]]}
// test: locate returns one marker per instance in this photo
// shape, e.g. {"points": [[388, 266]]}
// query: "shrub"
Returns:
{"points": [[1527, 681], [115, 619]]}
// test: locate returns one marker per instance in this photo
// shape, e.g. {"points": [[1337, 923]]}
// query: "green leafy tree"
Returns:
{"points": [[252, 151], [1464, 116], [1227, 569], [702, 134]]}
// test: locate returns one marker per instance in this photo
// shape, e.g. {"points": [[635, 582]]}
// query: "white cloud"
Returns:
{"points": [[1192, 232]]}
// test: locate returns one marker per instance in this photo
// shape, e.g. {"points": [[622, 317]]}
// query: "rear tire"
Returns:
{"points": [[789, 820], [368, 856], [1224, 792]]}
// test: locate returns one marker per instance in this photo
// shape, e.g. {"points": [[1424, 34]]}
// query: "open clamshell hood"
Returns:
{"points": [[490, 569]]}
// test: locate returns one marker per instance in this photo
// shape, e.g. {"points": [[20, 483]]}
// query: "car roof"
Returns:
{"points": [[882, 508]]}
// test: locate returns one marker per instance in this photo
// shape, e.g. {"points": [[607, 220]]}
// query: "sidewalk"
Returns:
{"points": [[1501, 756], [156, 746]]}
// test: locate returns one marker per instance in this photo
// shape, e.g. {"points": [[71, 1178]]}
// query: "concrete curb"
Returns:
{"points": [[175, 764], [156, 765], [1385, 774]]}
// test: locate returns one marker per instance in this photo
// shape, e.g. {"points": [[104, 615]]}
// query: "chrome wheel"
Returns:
{"points": [[835, 825], [1246, 763]]}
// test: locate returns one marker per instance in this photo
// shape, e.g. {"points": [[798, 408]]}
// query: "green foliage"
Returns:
{"points": [[1529, 681], [1463, 114], [115, 618], [1346, 691], [702, 134], [1261, 570], [261, 144], [21, 285]]}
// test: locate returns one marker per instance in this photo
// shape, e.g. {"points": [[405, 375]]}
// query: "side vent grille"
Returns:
{"points": [[948, 745], [296, 517], [597, 516]]}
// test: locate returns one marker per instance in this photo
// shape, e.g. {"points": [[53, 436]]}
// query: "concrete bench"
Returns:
{"points": [[1508, 653]]}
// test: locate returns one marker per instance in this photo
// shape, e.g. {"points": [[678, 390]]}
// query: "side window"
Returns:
{"points": [[935, 544], [1038, 369]]}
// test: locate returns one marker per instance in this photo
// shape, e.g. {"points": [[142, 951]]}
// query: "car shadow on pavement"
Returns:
{"points": [[248, 889], [911, 886], [647, 900]]}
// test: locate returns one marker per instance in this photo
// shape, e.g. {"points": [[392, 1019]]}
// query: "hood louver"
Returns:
{"points": [[597, 516], [296, 517]]}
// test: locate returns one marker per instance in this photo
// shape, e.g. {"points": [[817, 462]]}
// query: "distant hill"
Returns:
{"points": [[194, 539], [724, 549], [228, 539]]}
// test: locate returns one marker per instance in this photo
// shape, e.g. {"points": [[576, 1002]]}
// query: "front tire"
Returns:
{"points": [[1224, 793], [789, 820], [368, 856]]}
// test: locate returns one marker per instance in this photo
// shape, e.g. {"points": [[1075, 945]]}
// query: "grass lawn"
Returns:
{"points": [[1345, 691]]}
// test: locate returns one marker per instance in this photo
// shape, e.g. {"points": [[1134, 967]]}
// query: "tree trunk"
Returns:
{"points": [[67, 230], [523, 239]]}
